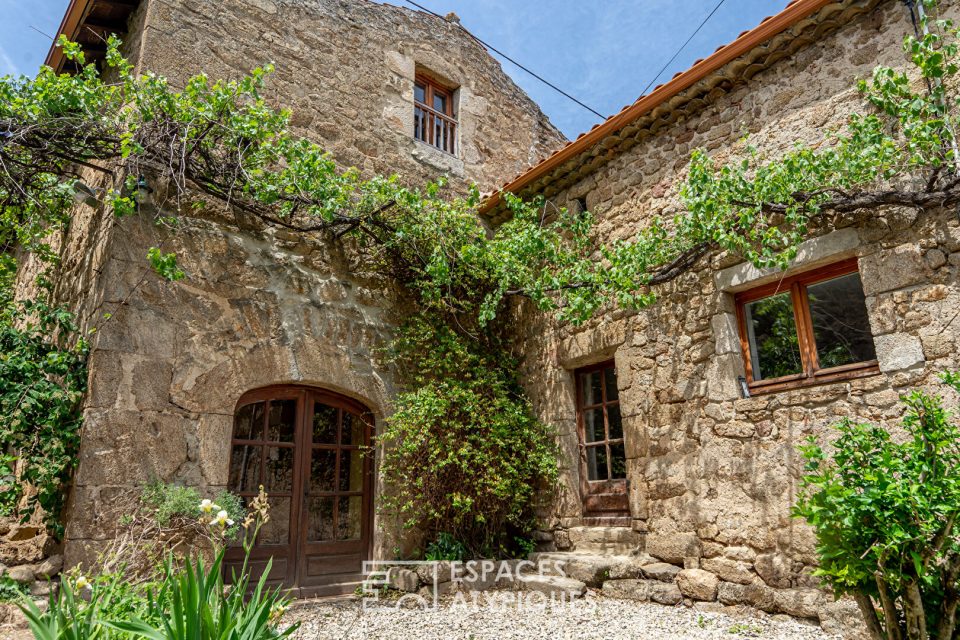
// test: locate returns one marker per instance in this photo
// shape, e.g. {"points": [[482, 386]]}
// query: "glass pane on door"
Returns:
{"points": [[323, 468], [248, 423], [618, 461], [591, 387], [610, 378], [597, 463], [278, 470], [616, 424], [354, 430], [245, 468], [348, 517], [324, 424], [319, 519], [351, 470], [593, 425], [282, 420], [277, 528]]}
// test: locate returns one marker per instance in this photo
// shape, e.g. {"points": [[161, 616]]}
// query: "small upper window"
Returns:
{"points": [[806, 329], [434, 120]]}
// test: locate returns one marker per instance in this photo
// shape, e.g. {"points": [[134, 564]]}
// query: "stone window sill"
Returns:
{"points": [[437, 158]]}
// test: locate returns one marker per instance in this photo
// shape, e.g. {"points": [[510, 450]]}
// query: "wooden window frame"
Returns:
{"points": [[427, 117], [812, 374]]}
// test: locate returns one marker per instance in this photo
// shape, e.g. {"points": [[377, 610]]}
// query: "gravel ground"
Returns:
{"points": [[595, 618]]}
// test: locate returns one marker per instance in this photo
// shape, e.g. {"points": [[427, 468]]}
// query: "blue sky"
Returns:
{"points": [[603, 52]]}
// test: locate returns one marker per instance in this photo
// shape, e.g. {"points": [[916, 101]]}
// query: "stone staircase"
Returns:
{"points": [[605, 540], [597, 556], [612, 560], [606, 558]]}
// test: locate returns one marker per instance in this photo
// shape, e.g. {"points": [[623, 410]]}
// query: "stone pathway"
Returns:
{"points": [[496, 616]]}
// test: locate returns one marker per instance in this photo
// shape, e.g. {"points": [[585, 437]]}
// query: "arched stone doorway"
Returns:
{"points": [[310, 449]]}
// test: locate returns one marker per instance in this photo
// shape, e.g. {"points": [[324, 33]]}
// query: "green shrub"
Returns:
{"points": [[11, 590], [445, 547], [9, 492], [170, 502], [42, 380], [463, 454], [885, 516]]}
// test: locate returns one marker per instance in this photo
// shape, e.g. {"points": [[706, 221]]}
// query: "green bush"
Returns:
{"points": [[885, 515], [11, 590], [445, 547], [171, 502], [42, 380], [463, 454]]}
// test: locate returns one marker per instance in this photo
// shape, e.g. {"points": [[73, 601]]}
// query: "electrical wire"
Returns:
{"points": [[682, 47], [511, 60]]}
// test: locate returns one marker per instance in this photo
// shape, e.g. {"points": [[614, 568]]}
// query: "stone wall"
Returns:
{"points": [[262, 306], [712, 475], [257, 307], [346, 70]]}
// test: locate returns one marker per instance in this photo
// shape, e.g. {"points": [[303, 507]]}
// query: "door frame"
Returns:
{"points": [[295, 555], [607, 498]]}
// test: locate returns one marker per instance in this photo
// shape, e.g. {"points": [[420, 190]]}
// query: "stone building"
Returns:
{"points": [[679, 423], [269, 325], [691, 438]]}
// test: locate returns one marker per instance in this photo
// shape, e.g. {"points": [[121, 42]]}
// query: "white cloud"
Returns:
{"points": [[7, 65]]}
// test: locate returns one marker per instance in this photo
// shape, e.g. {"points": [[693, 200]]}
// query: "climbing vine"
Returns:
{"points": [[42, 380], [901, 153], [99, 138]]}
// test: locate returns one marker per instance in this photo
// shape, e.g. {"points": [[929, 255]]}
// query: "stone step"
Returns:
{"points": [[557, 587], [590, 568], [610, 540], [643, 590]]}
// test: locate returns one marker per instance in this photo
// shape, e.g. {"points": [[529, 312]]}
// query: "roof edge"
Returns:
{"points": [[770, 27], [76, 11]]}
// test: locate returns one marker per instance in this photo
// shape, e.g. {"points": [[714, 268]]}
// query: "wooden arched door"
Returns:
{"points": [[310, 449]]}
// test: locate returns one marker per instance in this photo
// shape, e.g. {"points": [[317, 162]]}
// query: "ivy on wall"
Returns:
{"points": [[42, 381]]}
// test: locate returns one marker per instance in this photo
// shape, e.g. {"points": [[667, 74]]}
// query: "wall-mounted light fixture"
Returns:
{"points": [[84, 194], [744, 388]]}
